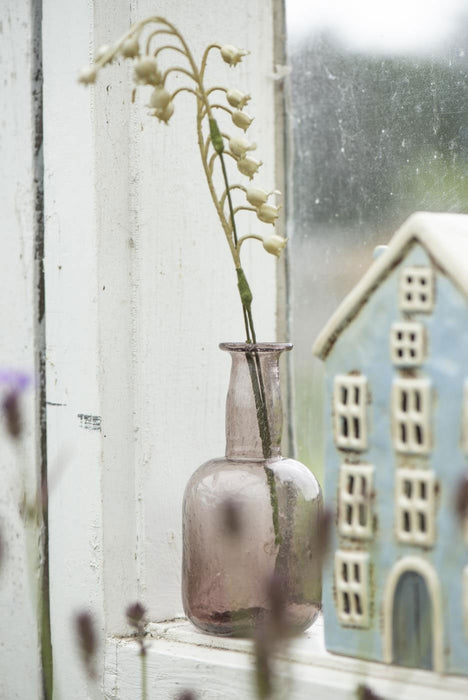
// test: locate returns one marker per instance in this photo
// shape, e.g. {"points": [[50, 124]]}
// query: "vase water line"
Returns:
{"points": [[251, 515]]}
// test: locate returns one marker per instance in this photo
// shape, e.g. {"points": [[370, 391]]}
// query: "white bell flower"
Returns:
{"points": [[248, 166], [102, 50], [130, 47], [242, 119], [268, 213], [87, 75], [237, 99], [164, 114], [239, 146], [147, 72], [274, 244], [256, 196], [231, 54], [160, 98]]}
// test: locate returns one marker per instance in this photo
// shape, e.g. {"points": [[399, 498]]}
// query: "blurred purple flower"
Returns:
{"points": [[87, 640], [461, 499], [14, 380], [363, 692], [13, 383]]}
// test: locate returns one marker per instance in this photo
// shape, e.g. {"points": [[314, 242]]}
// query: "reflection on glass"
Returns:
{"points": [[379, 115]]}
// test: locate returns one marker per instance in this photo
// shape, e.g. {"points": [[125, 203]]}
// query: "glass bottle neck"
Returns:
{"points": [[254, 415]]}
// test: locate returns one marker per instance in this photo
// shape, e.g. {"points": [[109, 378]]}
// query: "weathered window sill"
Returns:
{"points": [[180, 658]]}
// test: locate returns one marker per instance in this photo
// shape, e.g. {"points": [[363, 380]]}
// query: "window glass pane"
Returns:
{"points": [[379, 129]]}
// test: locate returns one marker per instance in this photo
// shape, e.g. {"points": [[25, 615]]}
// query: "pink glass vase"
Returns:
{"points": [[251, 516]]}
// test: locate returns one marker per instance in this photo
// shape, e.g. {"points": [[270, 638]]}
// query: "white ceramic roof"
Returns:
{"points": [[444, 236]]}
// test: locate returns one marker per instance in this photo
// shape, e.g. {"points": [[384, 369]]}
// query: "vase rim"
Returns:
{"points": [[259, 347]]}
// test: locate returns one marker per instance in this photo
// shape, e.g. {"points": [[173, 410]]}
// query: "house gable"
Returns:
{"points": [[443, 236]]}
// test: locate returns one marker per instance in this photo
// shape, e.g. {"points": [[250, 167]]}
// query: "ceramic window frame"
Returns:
{"points": [[407, 344], [352, 588], [349, 411], [353, 503], [414, 508], [416, 289], [411, 415]]}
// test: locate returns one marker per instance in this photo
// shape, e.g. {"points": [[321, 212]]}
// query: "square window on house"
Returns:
{"points": [[407, 344], [352, 588], [355, 512], [349, 410], [415, 506], [411, 415], [417, 289]]}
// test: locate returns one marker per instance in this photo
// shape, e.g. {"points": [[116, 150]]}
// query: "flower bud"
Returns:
{"points": [[268, 213], [242, 119], [130, 47], [146, 72], [237, 99], [231, 54], [248, 166], [274, 244], [240, 146], [160, 98], [164, 114], [87, 75]]}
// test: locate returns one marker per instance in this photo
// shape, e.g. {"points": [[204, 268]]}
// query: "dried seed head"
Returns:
{"points": [[274, 244], [130, 48], [135, 614], [237, 99], [268, 213], [323, 533], [87, 639], [232, 55], [276, 595], [11, 409], [248, 166], [461, 499], [363, 692], [242, 119], [231, 517]]}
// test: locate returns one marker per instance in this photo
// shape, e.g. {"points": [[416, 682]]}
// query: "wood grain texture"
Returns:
{"points": [[19, 651]]}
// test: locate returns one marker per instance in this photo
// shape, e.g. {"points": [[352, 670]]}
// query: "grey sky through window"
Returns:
{"points": [[379, 129]]}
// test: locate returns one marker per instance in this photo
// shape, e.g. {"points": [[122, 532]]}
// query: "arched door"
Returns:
{"points": [[412, 622]]}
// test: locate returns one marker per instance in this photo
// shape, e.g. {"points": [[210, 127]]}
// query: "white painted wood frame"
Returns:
{"points": [[140, 291], [20, 345]]}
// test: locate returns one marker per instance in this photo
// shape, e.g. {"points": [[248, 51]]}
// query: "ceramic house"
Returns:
{"points": [[396, 359]]}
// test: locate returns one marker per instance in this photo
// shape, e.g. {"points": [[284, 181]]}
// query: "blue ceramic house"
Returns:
{"points": [[396, 358]]}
